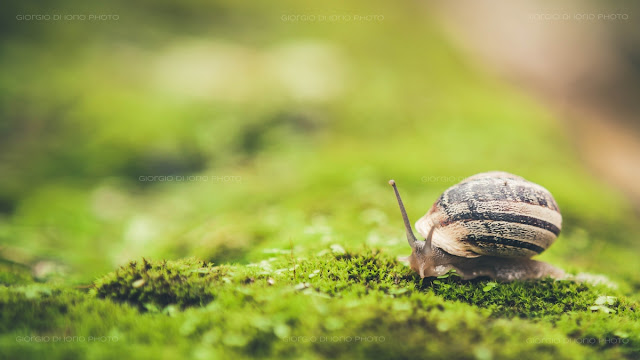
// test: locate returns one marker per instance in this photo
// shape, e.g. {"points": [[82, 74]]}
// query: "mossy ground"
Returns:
{"points": [[355, 304]]}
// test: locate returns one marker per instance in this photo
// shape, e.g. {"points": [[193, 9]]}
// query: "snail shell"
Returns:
{"points": [[493, 214], [490, 224]]}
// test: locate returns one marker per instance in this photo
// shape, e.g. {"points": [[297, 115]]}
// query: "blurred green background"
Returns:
{"points": [[231, 131], [264, 134]]}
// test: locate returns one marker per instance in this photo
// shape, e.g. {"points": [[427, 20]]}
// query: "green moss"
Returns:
{"points": [[352, 304], [155, 285], [530, 299], [14, 274]]}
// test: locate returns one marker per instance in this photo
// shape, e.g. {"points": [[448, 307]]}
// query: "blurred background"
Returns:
{"points": [[233, 131]]}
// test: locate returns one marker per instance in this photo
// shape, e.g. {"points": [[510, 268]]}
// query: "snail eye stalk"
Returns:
{"points": [[415, 244]]}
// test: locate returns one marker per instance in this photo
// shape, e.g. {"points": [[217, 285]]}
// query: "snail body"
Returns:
{"points": [[490, 224]]}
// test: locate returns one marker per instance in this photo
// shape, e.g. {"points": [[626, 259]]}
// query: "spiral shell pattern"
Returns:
{"points": [[493, 214]]}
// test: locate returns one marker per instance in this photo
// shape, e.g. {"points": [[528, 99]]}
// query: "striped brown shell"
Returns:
{"points": [[493, 214]]}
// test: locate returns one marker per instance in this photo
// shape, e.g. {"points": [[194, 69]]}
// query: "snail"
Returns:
{"points": [[489, 224]]}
